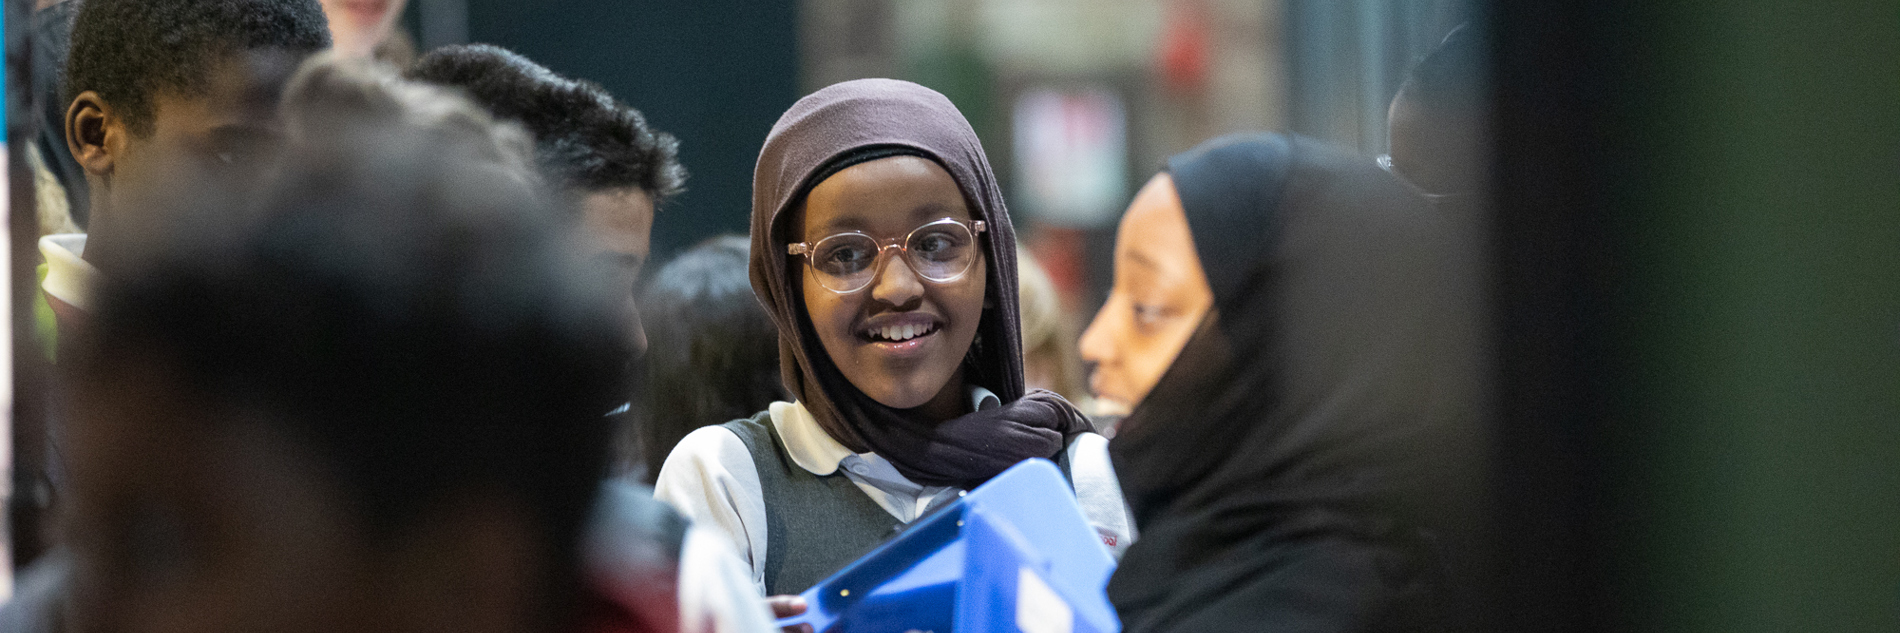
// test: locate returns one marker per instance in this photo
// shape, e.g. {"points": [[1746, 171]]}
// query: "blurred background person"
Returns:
{"points": [[712, 354], [594, 149], [1437, 121], [166, 93], [370, 28], [1050, 360], [1440, 147], [1275, 326]]}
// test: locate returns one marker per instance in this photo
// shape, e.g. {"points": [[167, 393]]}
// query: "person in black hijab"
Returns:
{"points": [[1274, 323]]}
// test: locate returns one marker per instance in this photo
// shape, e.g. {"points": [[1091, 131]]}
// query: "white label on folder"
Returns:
{"points": [[1038, 608]]}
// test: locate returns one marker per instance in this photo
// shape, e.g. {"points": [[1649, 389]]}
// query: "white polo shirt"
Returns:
{"points": [[69, 277], [710, 477]]}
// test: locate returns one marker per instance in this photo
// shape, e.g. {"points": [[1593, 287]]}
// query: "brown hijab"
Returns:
{"points": [[845, 123]]}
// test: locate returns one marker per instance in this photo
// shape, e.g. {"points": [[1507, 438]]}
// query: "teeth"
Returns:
{"points": [[900, 332]]}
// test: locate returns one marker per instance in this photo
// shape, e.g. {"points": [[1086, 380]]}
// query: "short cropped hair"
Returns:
{"points": [[129, 50], [402, 302], [585, 140]]}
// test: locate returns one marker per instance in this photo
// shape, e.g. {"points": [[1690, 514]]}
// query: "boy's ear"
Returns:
{"points": [[93, 133]]}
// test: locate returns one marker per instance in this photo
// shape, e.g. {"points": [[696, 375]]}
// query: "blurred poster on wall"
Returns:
{"points": [[1071, 149]]}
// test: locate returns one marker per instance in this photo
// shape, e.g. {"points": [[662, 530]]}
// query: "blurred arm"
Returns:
{"points": [[716, 590], [1099, 493]]}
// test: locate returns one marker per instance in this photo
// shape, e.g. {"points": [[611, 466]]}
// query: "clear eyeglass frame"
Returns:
{"points": [[807, 250]]}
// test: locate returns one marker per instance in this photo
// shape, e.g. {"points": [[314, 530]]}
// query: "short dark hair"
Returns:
{"points": [[712, 353], [584, 138], [129, 50], [404, 305]]}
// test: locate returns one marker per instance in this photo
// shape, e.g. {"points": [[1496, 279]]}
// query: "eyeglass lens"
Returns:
{"points": [[939, 252]]}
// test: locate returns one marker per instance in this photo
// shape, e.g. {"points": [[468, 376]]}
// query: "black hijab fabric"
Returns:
{"points": [[1275, 470]]}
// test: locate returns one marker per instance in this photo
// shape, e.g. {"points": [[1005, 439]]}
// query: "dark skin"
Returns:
{"points": [[188, 515], [887, 198], [219, 137], [617, 228], [1160, 296]]}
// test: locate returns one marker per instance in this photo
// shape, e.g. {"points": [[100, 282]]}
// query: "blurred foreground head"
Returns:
{"points": [[1437, 120], [368, 398]]}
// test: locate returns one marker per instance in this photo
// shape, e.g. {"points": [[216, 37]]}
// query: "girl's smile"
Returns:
{"points": [[904, 334], [901, 339]]}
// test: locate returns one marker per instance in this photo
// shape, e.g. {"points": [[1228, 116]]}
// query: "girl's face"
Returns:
{"points": [[900, 339], [1159, 298]]}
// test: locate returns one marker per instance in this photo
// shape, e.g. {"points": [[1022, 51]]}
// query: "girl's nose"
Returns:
{"points": [[896, 283]]}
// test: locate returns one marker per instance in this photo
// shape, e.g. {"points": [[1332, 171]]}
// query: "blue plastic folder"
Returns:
{"points": [[1014, 554]]}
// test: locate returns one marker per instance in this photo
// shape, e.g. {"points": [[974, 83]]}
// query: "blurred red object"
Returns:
{"points": [[1183, 53]]}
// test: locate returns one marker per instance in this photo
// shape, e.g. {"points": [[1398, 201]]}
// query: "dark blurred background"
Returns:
{"points": [[715, 73]]}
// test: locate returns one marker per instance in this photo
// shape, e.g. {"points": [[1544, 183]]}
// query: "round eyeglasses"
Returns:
{"points": [[941, 251]]}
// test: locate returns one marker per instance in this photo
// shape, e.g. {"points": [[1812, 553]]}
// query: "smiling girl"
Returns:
{"points": [[883, 252]]}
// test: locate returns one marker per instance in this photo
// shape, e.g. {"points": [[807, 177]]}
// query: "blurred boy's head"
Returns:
{"points": [[369, 398], [177, 91], [594, 148], [1436, 120]]}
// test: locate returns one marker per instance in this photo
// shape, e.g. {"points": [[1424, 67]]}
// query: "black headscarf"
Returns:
{"points": [[866, 119], [1274, 468]]}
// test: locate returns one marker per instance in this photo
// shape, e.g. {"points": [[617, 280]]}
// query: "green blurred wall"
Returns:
{"points": [[1759, 319]]}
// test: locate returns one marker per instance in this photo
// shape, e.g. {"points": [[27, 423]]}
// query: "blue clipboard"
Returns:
{"points": [[1015, 554]]}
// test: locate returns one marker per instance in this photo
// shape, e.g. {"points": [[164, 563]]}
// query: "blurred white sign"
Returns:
{"points": [[1071, 155]]}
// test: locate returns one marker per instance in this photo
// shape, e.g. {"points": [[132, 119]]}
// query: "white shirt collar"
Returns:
{"points": [[815, 451], [69, 277]]}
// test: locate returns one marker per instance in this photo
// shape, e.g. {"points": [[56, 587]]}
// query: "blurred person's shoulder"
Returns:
{"points": [[39, 600]]}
